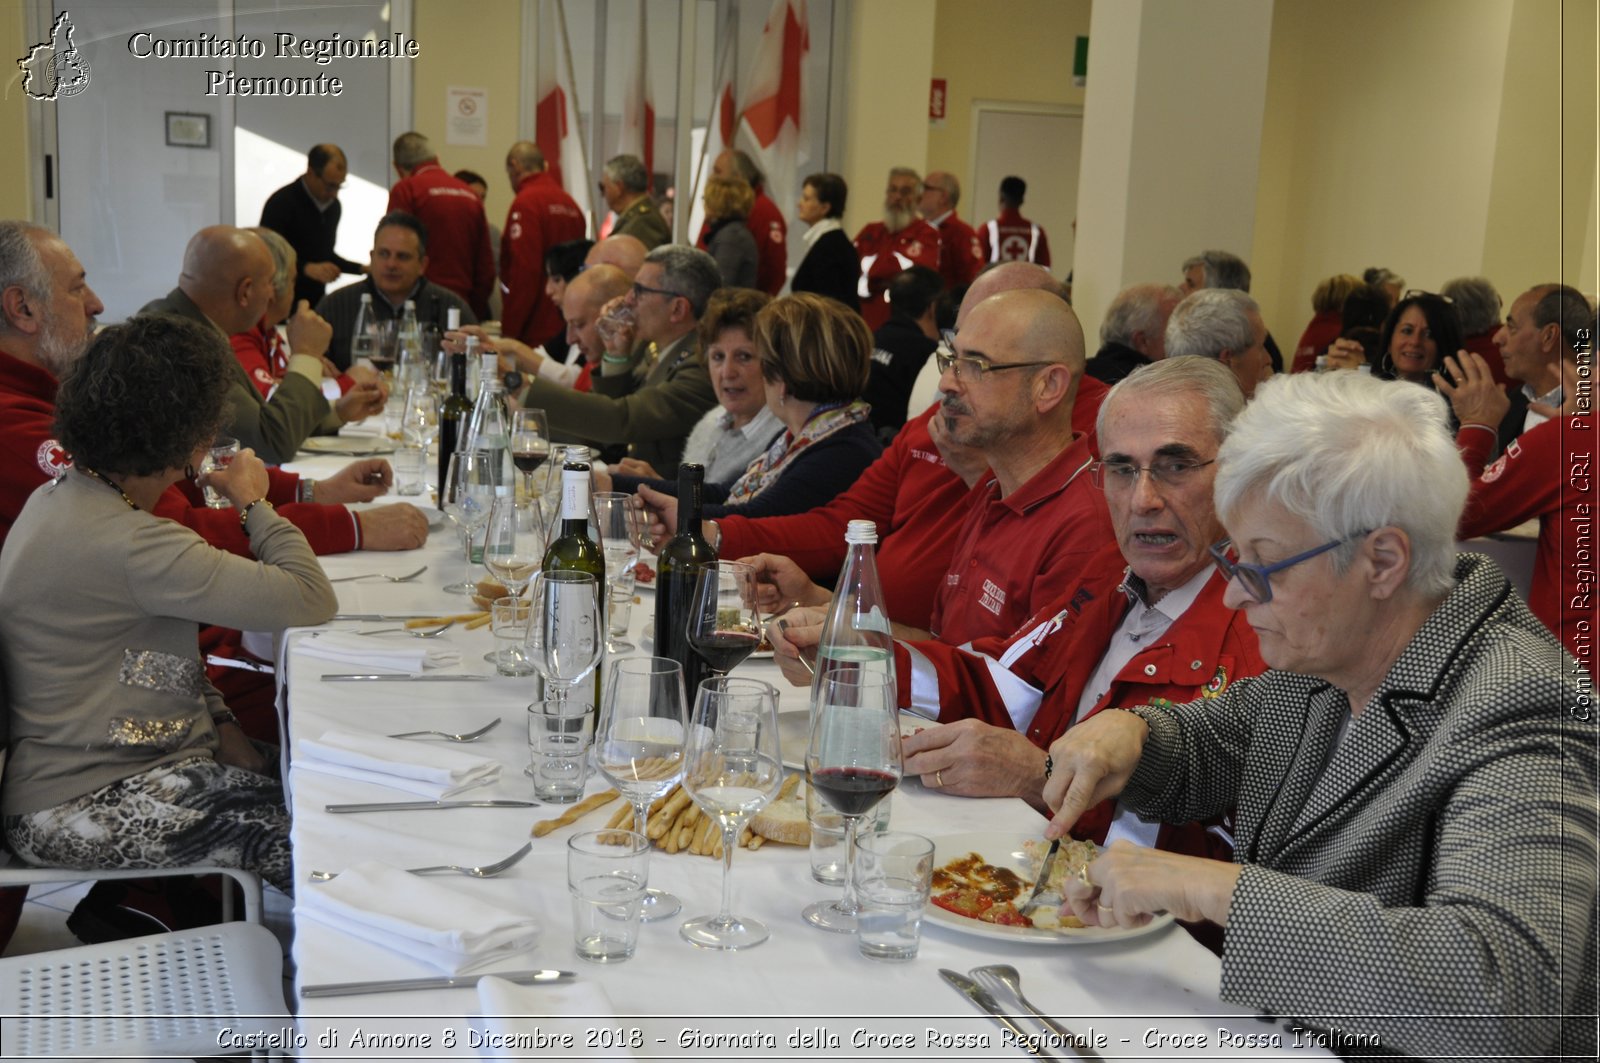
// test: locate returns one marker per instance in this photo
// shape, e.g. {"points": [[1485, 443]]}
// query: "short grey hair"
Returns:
{"points": [[688, 271], [1222, 269], [1477, 304], [282, 258], [21, 265], [412, 150], [906, 171], [1212, 381], [627, 171], [1210, 321], [1135, 309], [950, 187], [1348, 453]]}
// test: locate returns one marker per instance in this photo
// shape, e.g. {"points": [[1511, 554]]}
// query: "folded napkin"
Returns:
{"points": [[412, 655], [429, 769], [420, 917], [511, 1013]]}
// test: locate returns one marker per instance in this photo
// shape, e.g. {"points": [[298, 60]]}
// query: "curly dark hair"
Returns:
{"points": [[144, 397]]}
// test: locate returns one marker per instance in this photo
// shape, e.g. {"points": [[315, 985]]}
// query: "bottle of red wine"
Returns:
{"points": [[453, 414], [573, 549], [678, 567]]}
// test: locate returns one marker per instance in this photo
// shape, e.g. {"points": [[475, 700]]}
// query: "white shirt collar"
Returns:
{"points": [[826, 225]]}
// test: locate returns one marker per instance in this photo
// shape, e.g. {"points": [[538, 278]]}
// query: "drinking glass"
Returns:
{"points": [[513, 546], [852, 762], [223, 450], [724, 623], [467, 495], [565, 636], [530, 444], [508, 621], [441, 373], [894, 875], [606, 875], [385, 344], [621, 527], [639, 744], [731, 771], [420, 423]]}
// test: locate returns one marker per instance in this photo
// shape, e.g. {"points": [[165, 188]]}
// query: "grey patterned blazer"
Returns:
{"points": [[1427, 888]]}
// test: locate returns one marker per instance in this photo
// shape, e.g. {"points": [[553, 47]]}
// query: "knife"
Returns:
{"points": [[981, 997], [401, 806], [1044, 877], [350, 989], [397, 677], [383, 616]]}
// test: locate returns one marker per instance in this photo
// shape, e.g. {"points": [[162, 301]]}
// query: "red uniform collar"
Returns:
{"points": [[1072, 463], [27, 378]]}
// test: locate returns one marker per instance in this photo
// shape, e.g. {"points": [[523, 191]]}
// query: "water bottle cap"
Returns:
{"points": [[861, 531], [575, 453], [452, 318]]}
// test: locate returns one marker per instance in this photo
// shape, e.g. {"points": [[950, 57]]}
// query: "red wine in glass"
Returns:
{"points": [[853, 791], [723, 650], [528, 461]]}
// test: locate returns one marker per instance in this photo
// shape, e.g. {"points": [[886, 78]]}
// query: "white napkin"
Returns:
{"points": [[511, 1012], [428, 769], [412, 655], [417, 916]]}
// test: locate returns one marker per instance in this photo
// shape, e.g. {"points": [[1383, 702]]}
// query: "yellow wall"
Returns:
{"points": [[457, 51], [15, 178], [886, 124], [1018, 51]]}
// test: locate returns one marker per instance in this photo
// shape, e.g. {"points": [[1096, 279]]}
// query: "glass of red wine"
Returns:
{"points": [[724, 623], [530, 444], [852, 762]]}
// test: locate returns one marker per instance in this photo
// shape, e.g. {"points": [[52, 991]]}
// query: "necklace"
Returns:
{"points": [[103, 478]]}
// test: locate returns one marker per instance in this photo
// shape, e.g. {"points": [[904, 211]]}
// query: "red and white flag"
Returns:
{"points": [[557, 130], [773, 116], [719, 131], [638, 134]]}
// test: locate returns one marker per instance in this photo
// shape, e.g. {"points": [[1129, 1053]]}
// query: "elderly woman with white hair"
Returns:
{"points": [[1414, 776]]}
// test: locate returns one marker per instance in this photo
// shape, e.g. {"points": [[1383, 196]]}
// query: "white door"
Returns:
{"points": [[1040, 143]]}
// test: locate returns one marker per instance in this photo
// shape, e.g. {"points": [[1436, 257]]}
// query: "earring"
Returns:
{"points": [[188, 470]]}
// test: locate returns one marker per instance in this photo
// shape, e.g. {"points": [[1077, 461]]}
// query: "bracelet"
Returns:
{"points": [[225, 716], [244, 514], [306, 491], [1049, 766], [621, 359]]}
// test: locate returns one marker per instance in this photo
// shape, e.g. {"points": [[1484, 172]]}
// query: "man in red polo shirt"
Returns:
{"points": [[542, 215], [960, 256], [765, 221], [459, 254], [895, 244]]}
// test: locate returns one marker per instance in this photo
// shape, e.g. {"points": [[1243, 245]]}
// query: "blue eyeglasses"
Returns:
{"points": [[1255, 579]]}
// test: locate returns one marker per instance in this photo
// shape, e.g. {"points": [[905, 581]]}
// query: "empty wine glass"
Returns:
{"points": [[724, 622], [565, 637], [852, 762], [467, 495], [639, 744], [420, 422], [530, 444], [513, 546], [621, 526], [732, 771]]}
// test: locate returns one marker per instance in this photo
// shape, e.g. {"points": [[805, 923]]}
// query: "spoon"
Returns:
{"points": [[996, 975], [470, 736], [416, 633], [486, 871], [407, 578]]}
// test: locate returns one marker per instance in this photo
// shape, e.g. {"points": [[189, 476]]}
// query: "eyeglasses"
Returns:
{"points": [[1418, 293], [976, 364], [642, 290], [1111, 476], [1254, 578]]}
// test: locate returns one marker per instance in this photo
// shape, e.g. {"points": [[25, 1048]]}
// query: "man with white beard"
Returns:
{"points": [[895, 244]]}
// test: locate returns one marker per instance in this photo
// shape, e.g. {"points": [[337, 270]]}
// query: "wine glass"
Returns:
{"points": [[852, 762], [467, 495], [530, 444], [565, 636], [621, 526], [420, 422], [639, 744], [512, 549], [724, 622], [731, 771]]}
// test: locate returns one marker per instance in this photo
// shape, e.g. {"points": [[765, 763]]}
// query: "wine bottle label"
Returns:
{"points": [[575, 494]]}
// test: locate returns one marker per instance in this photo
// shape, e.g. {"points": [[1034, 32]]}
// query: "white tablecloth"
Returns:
{"points": [[1154, 996]]}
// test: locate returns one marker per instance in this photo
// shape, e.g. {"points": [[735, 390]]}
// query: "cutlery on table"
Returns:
{"points": [[395, 677], [1044, 876], [486, 871], [986, 1002], [407, 578], [783, 626], [402, 806], [470, 736], [384, 616], [416, 633], [996, 976], [347, 989]]}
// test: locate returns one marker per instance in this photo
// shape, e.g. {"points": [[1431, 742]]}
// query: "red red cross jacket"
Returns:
{"points": [[961, 257], [1013, 238], [541, 216], [884, 256], [459, 256]]}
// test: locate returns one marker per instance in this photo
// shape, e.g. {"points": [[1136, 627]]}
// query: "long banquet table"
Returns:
{"points": [[809, 991]]}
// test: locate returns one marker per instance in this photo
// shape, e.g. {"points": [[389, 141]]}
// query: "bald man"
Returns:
{"points": [[622, 251], [960, 256], [306, 213], [585, 297], [542, 215], [226, 283]]}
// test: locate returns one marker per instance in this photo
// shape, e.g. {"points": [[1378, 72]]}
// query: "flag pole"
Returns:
{"points": [[577, 122], [730, 37]]}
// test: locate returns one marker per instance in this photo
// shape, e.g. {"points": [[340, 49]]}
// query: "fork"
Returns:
{"points": [[486, 871], [998, 976], [432, 633], [470, 736], [407, 578]]}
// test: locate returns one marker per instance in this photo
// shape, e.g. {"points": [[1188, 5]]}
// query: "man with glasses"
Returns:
{"points": [[652, 388], [625, 187], [305, 212], [1146, 624], [898, 242]]}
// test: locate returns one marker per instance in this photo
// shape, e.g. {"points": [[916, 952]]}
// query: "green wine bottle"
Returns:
{"points": [[574, 550]]}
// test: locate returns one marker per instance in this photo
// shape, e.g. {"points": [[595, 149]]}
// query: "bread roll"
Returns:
{"points": [[784, 820]]}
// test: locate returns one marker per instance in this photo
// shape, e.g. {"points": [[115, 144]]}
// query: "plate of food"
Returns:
{"points": [[644, 576], [352, 446], [980, 879], [794, 734]]}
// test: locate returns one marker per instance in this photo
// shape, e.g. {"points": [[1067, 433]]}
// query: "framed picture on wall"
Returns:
{"points": [[186, 129]]}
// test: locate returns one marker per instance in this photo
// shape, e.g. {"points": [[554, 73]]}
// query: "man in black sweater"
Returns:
{"points": [[305, 212]]}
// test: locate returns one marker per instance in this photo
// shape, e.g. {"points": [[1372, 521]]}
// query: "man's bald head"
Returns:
{"points": [[1009, 277], [1040, 323], [587, 293], [523, 158], [622, 251], [228, 273]]}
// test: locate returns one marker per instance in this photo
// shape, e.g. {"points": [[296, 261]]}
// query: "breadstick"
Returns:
{"points": [[787, 788], [478, 621], [757, 841], [702, 837], [622, 820], [575, 813]]}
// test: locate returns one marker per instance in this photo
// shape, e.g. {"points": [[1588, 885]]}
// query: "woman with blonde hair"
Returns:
{"points": [[728, 239]]}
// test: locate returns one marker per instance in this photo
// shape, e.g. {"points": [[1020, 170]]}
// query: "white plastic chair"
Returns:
{"points": [[165, 995], [15, 873]]}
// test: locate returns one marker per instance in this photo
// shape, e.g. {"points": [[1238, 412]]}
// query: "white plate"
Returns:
{"points": [[352, 445], [794, 732], [1005, 850]]}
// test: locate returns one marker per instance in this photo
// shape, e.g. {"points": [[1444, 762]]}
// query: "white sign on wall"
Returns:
{"points": [[466, 117]]}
